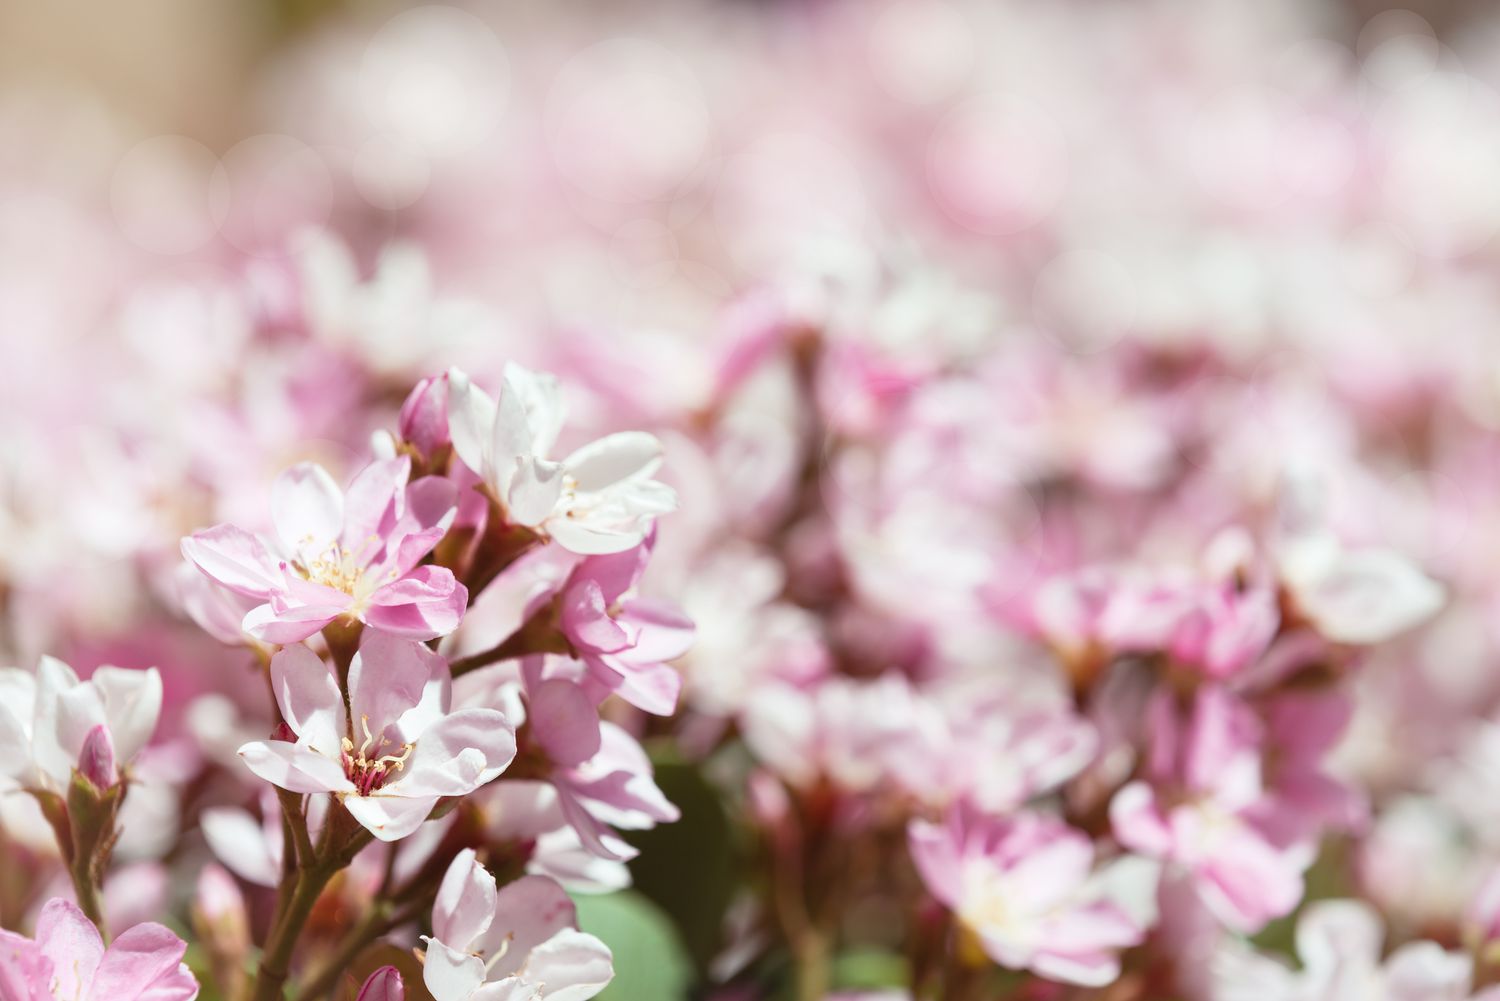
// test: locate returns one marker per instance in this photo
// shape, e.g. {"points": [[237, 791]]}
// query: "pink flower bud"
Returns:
{"points": [[424, 415], [384, 984], [96, 762]]}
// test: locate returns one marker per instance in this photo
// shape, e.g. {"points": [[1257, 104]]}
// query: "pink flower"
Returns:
{"points": [[600, 499], [624, 640], [399, 749], [351, 555], [52, 723], [603, 778], [1202, 805], [1027, 887], [519, 942], [68, 961]]}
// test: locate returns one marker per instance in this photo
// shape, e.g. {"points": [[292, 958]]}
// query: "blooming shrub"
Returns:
{"points": [[923, 499]]}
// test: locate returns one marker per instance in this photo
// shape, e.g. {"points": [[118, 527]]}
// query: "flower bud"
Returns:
{"points": [[96, 762], [385, 984], [424, 416], [222, 926]]}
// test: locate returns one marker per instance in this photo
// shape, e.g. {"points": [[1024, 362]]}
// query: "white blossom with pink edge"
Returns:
{"points": [[1027, 887], [600, 499], [519, 942], [46, 720], [352, 554], [396, 751], [1339, 945]]}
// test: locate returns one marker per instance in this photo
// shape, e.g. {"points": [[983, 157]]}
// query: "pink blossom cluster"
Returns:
{"points": [[917, 499]]}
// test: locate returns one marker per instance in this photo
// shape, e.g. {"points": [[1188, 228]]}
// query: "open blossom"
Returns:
{"points": [[1356, 596], [350, 555], [1026, 886], [600, 499], [398, 749], [1339, 945], [1203, 807], [52, 723], [67, 961], [519, 942], [625, 640]]}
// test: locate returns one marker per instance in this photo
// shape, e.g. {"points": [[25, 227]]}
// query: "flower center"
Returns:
{"points": [[335, 568], [987, 903], [366, 767]]}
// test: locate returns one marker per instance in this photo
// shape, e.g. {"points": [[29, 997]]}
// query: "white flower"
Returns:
{"points": [[45, 719], [1361, 596], [517, 943], [600, 499]]}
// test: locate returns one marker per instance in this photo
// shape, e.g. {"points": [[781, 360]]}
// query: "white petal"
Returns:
{"points": [[465, 903], [310, 700], [471, 421], [610, 459], [132, 705], [307, 509]]}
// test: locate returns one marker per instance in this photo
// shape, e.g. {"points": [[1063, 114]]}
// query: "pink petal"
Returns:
{"points": [[425, 604], [235, 558], [291, 625], [529, 911], [145, 958], [564, 721], [662, 631], [653, 689], [586, 621], [72, 943]]}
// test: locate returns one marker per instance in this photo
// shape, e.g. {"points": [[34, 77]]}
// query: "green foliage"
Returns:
{"points": [[650, 959]]}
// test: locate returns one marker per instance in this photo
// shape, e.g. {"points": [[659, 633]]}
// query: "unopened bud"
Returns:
{"points": [[424, 416], [385, 984], [96, 762], [222, 925]]}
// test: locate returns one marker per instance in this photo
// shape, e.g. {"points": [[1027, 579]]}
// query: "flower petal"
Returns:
{"points": [[132, 705], [390, 817], [294, 768], [608, 460], [465, 903], [307, 509], [72, 943], [236, 559], [471, 421], [309, 698], [458, 754]]}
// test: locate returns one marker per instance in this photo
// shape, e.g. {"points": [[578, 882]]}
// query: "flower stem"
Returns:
{"points": [[87, 890], [276, 959]]}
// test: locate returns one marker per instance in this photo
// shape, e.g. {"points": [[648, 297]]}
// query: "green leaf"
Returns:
{"points": [[869, 969], [650, 960], [688, 868]]}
